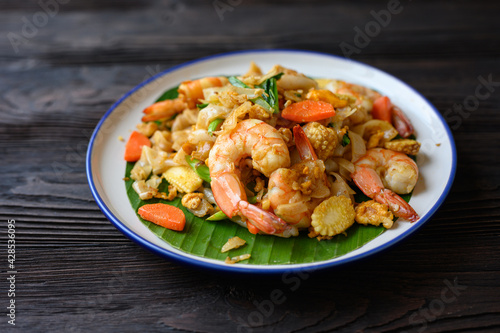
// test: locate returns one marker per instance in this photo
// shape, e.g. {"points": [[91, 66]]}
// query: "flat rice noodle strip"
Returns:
{"points": [[343, 113], [358, 147], [343, 163], [210, 113], [331, 165], [340, 186], [345, 174], [249, 92], [208, 194], [231, 121], [200, 135]]}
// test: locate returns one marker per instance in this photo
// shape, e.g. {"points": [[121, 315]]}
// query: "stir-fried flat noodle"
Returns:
{"points": [[279, 152]]}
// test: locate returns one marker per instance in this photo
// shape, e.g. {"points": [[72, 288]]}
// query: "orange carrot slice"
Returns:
{"points": [[133, 148], [382, 109], [164, 215], [308, 110]]}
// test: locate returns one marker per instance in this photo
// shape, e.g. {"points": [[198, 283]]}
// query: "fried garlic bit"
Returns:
{"points": [[323, 139], [236, 259], [333, 216], [372, 212], [233, 243], [405, 146]]}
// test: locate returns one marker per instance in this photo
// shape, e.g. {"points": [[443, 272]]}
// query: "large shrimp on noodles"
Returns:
{"points": [[294, 192], [382, 172], [265, 145]]}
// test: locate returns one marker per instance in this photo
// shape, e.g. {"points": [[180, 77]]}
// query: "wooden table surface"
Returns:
{"points": [[64, 63]]}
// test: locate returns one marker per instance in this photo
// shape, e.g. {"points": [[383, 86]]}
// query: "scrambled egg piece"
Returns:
{"points": [[192, 200], [197, 204], [375, 140], [406, 146], [372, 212]]}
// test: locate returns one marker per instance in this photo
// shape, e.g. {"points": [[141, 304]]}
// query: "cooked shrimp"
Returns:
{"points": [[287, 199], [383, 109], [164, 109], [355, 90], [192, 91], [293, 192], [264, 144], [401, 122], [381, 172], [364, 98]]}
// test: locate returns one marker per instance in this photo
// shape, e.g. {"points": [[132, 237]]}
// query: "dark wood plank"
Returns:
{"points": [[188, 30]]}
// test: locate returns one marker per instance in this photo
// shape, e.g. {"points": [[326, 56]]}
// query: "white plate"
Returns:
{"points": [[105, 165]]}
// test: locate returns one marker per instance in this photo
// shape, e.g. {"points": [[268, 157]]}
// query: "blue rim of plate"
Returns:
{"points": [[267, 269]]}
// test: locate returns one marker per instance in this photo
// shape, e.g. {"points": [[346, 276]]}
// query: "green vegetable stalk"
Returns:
{"points": [[212, 127], [345, 140], [269, 100], [200, 168], [219, 216]]}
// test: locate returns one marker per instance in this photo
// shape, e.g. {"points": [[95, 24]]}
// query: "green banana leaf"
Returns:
{"points": [[206, 238]]}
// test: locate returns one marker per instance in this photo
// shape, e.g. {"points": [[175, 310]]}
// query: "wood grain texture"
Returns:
{"points": [[77, 273]]}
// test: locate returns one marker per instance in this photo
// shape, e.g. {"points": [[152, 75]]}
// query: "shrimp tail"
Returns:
{"points": [[306, 150], [401, 122], [369, 182], [228, 192], [265, 145], [261, 219], [232, 200], [396, 204]]}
